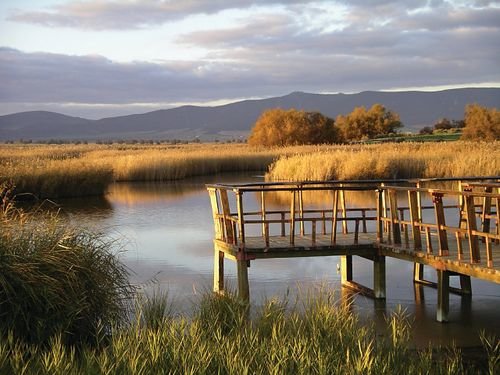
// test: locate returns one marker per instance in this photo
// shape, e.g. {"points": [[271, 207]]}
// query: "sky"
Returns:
{"points": [[99, 58]]}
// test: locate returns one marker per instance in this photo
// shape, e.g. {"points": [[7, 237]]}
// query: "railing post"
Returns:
{"points": [[415, 220], [396, 229], [226, 211], [470, 213], [437, 199], [301, 211], [380, 215], [219, 232], [241, 218], [343, 207], [486, 212], [292, 219], [263, 211], [334, 217]]}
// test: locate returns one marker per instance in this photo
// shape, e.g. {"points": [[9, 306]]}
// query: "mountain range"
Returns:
{"points": [[235, 120]]}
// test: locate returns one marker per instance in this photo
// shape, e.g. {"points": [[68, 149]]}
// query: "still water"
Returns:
{"points": [[165, 232]]}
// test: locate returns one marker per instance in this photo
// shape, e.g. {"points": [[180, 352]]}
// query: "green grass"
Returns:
{"points": [[314, 335]]}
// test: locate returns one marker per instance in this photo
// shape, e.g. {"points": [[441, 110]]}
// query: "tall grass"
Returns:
{"points": [[400, 160], [317, 336], [56, 279], [66, 170]]}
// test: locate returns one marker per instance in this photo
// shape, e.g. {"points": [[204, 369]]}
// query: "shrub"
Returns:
{"points": [[481, 123], [57, 280], [279, 127]]}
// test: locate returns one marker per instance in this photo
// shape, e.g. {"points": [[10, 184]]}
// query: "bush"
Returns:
{"points": [[57, 280], [481, 123], [279, 127]]}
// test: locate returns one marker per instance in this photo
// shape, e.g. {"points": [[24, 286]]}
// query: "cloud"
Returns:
{"points": [[129, 14]]}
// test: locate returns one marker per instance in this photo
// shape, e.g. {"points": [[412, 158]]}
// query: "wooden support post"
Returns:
{"points": [[301, 211], [241, 218], [443, 302], [384, 207], [323, 225], [334, 217], [218, 271], [465, 284], [363, 216], [489, 254], [396, 229], [418, 272], [415, 220], [282, 224], [243, 286], [292, 219], [471, 227], [313, 232], [346, 268], [343, 208], [437, 199], [497, 231], [379, 276], [380, 215]]}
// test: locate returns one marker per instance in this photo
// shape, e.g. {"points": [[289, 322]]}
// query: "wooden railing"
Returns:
{"points": [[392, 222]]}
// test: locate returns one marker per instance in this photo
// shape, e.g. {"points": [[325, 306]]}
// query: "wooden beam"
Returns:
{"points": [[415, 220], [396, 229], [472, 226], [345, 268]]}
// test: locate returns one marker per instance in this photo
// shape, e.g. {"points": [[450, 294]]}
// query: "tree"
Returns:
{"points": [[443, 124], [481, 123], [366, 124], [279, 127]]}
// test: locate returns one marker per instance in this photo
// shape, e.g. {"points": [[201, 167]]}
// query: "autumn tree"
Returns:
{"points": [[279, 127], [366, 124], [481, 123]]}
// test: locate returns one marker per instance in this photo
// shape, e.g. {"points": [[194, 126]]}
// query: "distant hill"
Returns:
{"points": [[417, 109]]}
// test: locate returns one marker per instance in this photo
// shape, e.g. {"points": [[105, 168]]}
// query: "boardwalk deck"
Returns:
{"points": [[457, 233]]}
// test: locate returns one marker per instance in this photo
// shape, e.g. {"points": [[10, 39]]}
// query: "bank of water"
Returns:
{"points": [[166, 232]]}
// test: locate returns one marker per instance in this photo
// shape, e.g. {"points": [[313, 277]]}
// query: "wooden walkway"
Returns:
{"points": [[454, 230]]}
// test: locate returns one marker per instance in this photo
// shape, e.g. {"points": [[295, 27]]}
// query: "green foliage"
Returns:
{"points": [[57, 280], [321, 336], [481, 123], [279, 127], [362, 124]]}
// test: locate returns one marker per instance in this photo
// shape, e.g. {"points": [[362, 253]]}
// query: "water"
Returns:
{"points": [[165, 231]]}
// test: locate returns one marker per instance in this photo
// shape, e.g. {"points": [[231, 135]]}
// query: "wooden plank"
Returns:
{"points": [[301, 213], [241, 218], [380, 215], [243, 285], [345, 268], [379, 277]]}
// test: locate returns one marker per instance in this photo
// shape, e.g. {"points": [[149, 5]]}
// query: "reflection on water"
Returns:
{"points": [[168, 230]]}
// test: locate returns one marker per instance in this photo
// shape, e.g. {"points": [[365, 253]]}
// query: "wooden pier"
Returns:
{"points": [[451, 225]]}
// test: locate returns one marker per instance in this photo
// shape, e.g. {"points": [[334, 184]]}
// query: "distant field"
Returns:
{"points": [[50, 171]]}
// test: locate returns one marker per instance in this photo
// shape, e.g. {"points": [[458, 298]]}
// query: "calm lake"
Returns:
{"points": [[166, 231]]}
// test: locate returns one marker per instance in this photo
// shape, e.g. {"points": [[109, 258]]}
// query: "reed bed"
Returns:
{"points": [[78, 170], [315, 336], [56, 279], [396, 160]]}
